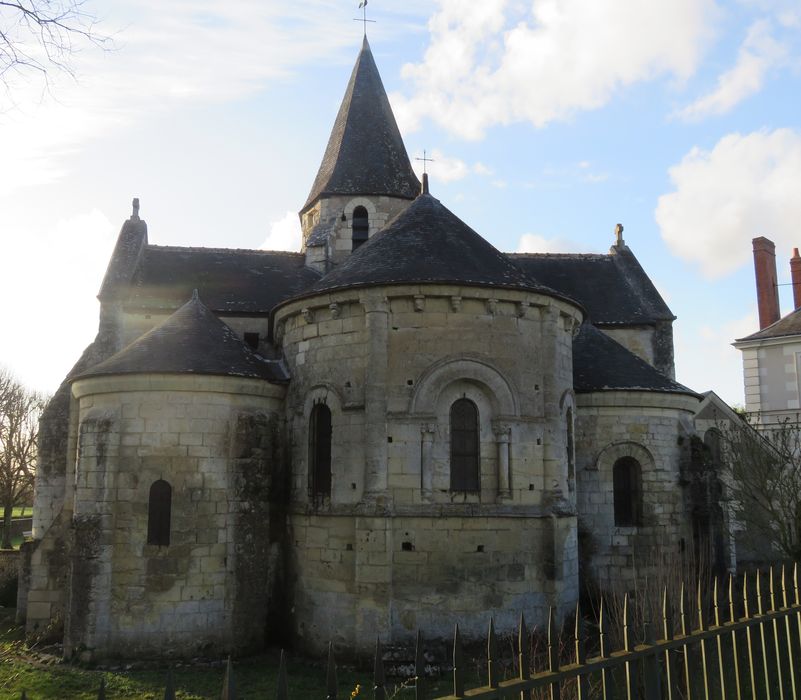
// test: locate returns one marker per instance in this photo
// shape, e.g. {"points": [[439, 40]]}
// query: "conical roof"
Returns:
{"points": [[602, 364], [427, 243], [191, 341], [365, 153]]}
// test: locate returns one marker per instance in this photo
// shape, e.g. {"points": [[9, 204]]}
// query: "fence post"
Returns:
{"points": [[719, 638], [553, 655], [419, 668], [169, 689], [735, 653], [229, 686], [761, 612], [685, 633], [492, 656], [580, 641], [788, 635], [101, 693], [748, 639], [779, 672], [331, 675], [672, 679], [699, 604], [379, 679], [458, 665], [628, 645], [653, 683], [282, 689], [607, 677], [523, 656]]}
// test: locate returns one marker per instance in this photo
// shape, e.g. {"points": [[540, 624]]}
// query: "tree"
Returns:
{"points": [[765, 482], [40, 35], [20, 409]]}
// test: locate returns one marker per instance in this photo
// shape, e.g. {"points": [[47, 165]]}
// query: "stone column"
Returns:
{"points": [[427, 431], [502, 431], [375, 395]]}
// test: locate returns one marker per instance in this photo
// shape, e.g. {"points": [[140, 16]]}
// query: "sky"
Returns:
{"points": [[549, 121]]}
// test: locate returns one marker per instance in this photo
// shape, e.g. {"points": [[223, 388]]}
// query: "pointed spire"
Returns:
{"points": [[365, 153]]}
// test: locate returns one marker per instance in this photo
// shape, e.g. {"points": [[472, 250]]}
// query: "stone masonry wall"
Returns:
{"points": [[654, 429], [389, 363], [212, 439]]}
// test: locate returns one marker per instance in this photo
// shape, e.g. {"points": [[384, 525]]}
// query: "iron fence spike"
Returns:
{"points": [[282, 689], [331, 674], [169, 689]]}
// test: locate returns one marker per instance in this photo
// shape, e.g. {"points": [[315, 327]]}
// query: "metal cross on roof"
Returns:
{"points": [[425, 160], [363, 19]]}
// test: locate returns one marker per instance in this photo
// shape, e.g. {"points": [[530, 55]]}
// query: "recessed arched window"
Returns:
{"points": [[159, 509], [627, 486], [571, 448], [464, 446], [713, 440], [361, 226], [320, 451]]}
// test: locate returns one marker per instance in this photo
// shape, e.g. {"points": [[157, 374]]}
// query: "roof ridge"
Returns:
{"points": [[208, 249], [586, 256]]}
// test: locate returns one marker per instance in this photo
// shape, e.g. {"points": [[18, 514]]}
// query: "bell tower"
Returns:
{"points": [[365, 177]]}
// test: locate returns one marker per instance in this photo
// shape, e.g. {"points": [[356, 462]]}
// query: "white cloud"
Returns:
{"points": [[535, 243], [167, 54], [501, 62], [758, 54], [746, 186], [285, 234], [445, 168], [706, 360], [64, 269]]}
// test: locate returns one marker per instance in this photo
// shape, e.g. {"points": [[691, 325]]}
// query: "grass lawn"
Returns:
{"points": [[21, 669], [22, 512]]}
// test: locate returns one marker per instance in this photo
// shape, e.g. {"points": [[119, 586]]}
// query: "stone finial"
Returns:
{"points": [[195, 295], [619, 242], [424, 189], [135, 214]]}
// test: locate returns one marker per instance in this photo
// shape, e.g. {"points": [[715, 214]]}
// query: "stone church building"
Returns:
{"points": [[397, 427]]}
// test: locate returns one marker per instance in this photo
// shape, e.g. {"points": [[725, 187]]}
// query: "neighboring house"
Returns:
{"points": [[395, 428], [772, 355]]}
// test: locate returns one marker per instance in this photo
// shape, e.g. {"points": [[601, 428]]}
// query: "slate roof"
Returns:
{"points": [[365, 152], [603, 364], [131, 241], [320, 232], [229, 280], [613, 288], [191, 341], [427, 243], [789, 325]]}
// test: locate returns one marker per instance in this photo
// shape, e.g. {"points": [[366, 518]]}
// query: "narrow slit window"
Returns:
{"points": [[361, 227], [627, 485], [252, 340], [159, 510], [464, 446], [320, 451]]}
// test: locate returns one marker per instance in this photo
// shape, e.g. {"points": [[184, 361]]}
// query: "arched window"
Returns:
{"points": [[361, 226], [320, 451], [159, 508], [627, 479], [571, 449], [464, 446], [712, 440]]}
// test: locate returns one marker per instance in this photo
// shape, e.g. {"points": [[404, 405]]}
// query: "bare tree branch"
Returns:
{"points": [[43, 35]]}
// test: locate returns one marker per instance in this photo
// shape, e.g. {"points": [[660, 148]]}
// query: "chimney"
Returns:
{"points": [[795, 274], [767, 291]]}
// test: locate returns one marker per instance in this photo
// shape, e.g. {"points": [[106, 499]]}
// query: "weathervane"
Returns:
{"points": [[364, 20], [425, 160]]}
